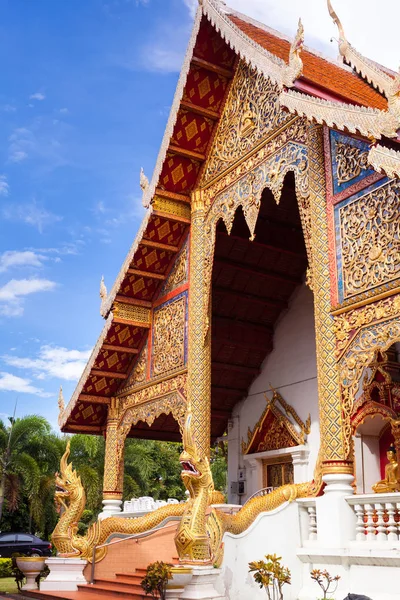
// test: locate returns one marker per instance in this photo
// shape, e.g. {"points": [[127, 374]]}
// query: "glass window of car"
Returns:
{"points": [[6, 539], [24, 538]]}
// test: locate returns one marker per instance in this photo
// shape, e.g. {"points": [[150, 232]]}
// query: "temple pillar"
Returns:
{"points": [[113, 466], [335, 454], [199, 350], [336, 520]]}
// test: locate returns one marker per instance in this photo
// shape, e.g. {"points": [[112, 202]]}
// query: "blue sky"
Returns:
{"points": [[86, 90], [85, 93]]}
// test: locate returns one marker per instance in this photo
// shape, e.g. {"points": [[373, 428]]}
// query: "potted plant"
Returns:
{"points": [[156, 579], [326, 582], [270, 575], [31, 567]]}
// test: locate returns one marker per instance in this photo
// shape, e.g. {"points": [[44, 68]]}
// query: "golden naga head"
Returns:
{"points": [[68, 482], [196, 470]]}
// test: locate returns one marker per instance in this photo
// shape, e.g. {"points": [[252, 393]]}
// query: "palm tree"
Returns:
{"points": [[20, 470]]}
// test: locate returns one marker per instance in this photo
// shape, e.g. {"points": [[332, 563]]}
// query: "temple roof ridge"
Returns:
{"points": [[288, 38]]}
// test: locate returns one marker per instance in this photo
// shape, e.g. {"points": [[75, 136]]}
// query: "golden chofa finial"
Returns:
{"points": [[343, 43], [61, 404], [295, 67]]}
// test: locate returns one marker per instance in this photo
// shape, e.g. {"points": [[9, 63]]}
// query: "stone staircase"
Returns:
{"points": [[123, 586]]}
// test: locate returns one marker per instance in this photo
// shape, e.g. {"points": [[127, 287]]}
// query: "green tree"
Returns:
{"points": [[20, 468]]}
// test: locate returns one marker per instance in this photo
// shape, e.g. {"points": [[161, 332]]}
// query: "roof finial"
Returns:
{"points": [[103, 293], [343, 43], [61, 404], [144, 184], [103, 289], [295, 67]]}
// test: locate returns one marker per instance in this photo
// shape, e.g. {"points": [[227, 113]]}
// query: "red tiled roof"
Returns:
{"points": [[317, 70]]}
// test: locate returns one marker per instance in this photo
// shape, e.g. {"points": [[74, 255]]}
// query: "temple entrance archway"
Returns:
{"points": [[254, 284]]}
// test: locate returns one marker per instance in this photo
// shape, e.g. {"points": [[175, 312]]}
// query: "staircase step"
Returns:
{"points": [[110, 591], [131, 577], [120, 583]]}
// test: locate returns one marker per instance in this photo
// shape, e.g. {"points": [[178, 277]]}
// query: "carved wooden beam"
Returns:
{"points": [[222, 389], [140, 273], [252, 270], [280, 304], [203, 112], [110, 374], [112, 348], [133, 301], [172, 195], [131, 323], [170, 216], [94, 399], [238, 329], [187, 153], [238, 368], [159, 245], [204, 64]]}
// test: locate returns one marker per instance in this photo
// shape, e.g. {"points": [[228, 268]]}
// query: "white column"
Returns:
{"points": [[201, 586], [336, 519], [65, 574], [300, 464], [110, 509]]}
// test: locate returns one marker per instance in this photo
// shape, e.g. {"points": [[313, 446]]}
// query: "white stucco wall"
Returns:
{"points": [[291, 368]]}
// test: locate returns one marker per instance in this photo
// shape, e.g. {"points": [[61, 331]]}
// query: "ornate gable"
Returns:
{"points": [[277, 428]]}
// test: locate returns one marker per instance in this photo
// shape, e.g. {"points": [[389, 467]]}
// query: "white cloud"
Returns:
{"points": [[16, 258], [21, 142], [31, 213], [52, 361], [368, 29], [8, 108], [37, 96], [12, 383], [192, 6], [64, 111], [4, 187], [162, 59], [18, 155], [14, 291]]}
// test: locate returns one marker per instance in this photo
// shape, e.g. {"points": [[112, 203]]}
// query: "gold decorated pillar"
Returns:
{"points": [[199, 357], [335, 438], [113, 465]]}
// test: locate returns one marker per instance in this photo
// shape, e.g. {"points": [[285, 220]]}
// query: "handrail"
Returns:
{"points": [[137, 536], [263, 492]]}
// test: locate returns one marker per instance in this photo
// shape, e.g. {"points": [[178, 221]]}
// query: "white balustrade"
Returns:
{"points": [[145, 504], [378, 518], [308, 514]]}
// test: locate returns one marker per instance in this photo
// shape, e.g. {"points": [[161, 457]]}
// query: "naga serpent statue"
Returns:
{"points": [[202, 526]]}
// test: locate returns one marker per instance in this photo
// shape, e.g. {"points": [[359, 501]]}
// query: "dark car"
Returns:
{"points": [[24, 543]]}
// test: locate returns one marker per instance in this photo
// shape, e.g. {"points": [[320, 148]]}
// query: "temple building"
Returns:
{"points": [[260, 302]]}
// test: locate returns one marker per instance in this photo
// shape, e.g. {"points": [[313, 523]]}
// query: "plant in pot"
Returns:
{"points": [[270, 575], [326, 582], [28, 567], [156, 579]]}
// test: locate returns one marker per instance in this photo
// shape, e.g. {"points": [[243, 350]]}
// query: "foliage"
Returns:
{"points": [[156, 579], [151, 469], [270, 575], [219, 465], [16, 572], [88, 517], [5, 567], [326, 582], [42, 575]]}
